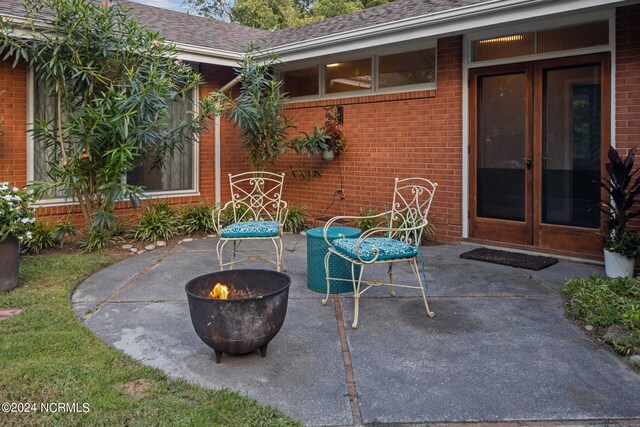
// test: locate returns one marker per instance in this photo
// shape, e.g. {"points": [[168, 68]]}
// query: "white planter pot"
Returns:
{"points": [[617, 265]]}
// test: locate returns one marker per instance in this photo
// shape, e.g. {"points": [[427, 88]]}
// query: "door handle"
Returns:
{"points": [[528, 162]]}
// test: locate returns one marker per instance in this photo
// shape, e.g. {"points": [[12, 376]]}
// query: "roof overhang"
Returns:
{"points": [[206, 55], [454, 21]]}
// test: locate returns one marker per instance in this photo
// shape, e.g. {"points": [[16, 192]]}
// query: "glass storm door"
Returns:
{"points": [[501, 147], [538, 132]]}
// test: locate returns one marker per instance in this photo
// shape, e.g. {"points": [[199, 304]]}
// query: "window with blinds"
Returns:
{"points": [[176, 174], [574, 37]]}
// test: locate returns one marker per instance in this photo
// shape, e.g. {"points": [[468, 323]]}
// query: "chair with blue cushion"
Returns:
{"points": [[258, 214], [395, 238]]}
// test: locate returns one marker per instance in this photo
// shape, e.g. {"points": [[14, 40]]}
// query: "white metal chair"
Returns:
{"points": [[258, 214], [396, 238]]}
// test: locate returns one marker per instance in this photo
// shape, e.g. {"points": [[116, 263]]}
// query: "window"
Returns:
{"points": [[348, 76], [407, 68], [580, 36], [402, 71], [178, 173], [303, 82], [504, 47], [576, 37]]}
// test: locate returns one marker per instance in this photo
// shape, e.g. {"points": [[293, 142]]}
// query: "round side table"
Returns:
{"points": [[339, 268]]}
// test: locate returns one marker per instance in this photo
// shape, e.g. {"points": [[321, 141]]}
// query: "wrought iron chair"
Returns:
{"points": [[396, 238], [258, 214]]}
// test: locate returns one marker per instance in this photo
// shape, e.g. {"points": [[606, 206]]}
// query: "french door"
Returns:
{"points": [[538, 131]]}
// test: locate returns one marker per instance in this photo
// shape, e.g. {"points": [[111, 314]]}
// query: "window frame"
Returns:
{"points": [[538, 26], [60, 201], [374, 55]]}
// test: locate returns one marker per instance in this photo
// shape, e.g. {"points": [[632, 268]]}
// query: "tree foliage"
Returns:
{"points": [[276, 14], [258, 110], [112, 82]]}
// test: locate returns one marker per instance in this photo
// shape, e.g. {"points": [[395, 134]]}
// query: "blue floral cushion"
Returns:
{"points": [[387, 248], [251, 229]]}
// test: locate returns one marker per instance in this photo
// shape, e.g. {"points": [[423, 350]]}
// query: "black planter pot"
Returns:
{"points": [[9, 263]]}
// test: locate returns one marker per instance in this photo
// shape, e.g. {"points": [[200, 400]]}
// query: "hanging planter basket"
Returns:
{"points": [[328, 155]]}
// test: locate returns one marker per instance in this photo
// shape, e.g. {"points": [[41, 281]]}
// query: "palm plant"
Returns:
{"points": [[258, 110]]}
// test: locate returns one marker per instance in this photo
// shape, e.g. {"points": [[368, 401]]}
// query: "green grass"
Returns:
{"points": [[603, 302], [47, 355]]}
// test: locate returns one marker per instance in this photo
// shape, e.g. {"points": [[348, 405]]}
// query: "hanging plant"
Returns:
{"points": [[327, 139]]}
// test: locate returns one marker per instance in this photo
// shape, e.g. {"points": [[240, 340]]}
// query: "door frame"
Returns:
{"points": [[514, 232], [532, 232]]}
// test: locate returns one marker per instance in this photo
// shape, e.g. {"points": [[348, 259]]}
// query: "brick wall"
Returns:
{"points": [[13, 123], [388, 136], [394, 135], [627, 77]]}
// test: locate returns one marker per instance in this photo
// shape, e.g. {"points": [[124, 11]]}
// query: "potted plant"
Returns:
{"points": [[621, 246], [335, 142], [16, 217], [327, 140]]}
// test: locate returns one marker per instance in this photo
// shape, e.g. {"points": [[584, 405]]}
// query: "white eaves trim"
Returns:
{"points": [[207, 55], [452, 21]]}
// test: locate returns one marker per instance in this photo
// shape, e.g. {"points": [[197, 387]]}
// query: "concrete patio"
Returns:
{"points": [[498, 349]]}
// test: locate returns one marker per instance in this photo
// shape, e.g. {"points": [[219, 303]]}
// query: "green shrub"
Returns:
{"points": [[41, 238], [157, 222], [294, 221], [196, 219], [65, 230], [95, 239], [605, 302], [365, 224]]}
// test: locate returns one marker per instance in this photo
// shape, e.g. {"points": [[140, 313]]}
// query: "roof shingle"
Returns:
{"points": [[386, 13], [194, 30]]}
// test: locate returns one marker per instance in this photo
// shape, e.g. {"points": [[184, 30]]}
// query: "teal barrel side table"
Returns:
{"points": [[317, 248]]}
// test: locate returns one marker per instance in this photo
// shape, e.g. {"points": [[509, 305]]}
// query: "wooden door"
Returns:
{"points": [[500, 153], [538, 132]]}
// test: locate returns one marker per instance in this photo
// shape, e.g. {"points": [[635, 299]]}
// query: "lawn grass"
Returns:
{"points": [[47, 355]]}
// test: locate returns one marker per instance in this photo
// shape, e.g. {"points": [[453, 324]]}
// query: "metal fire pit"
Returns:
{"points": [[244, 324]]}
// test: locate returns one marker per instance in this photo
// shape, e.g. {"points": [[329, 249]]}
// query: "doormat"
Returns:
{"points": [[512, 259]]}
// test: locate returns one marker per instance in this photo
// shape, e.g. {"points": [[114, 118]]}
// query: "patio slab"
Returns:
{"points": [[499, 348], [302, 379], [514, 359]]}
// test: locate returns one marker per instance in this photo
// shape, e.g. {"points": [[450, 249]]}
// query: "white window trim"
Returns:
{"points": [[60, 201]]}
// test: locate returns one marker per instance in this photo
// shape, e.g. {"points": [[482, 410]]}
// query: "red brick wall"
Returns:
{"points": [[13, 123], [395, 135], [388, 136], [627, 77]]}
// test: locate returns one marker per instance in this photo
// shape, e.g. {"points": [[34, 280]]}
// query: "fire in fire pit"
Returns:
{"points": [[219, 291], [238, 311]]}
